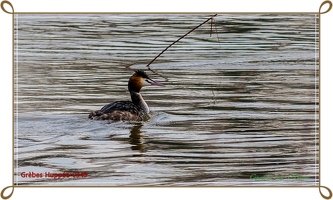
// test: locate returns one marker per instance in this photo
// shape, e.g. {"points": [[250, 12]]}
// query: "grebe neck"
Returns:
{"points": [[139, 101]]}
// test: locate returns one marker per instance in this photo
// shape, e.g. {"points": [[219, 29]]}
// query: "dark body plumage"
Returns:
{"points": [[120, 111], [135, 110]]}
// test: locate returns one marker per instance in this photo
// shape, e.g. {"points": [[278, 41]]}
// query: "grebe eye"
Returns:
{"points": [[149, 81]]}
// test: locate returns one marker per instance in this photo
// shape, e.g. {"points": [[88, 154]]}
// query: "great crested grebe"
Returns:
{"points": [[135, 110]]}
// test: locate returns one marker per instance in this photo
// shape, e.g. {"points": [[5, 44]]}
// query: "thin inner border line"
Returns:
{"points": [[17, 92], [17, 87]]}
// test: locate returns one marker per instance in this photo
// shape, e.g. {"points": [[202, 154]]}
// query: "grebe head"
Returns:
{"points": [[140, 79]]}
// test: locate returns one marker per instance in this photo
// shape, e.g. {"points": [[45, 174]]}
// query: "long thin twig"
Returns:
{"points": [[217, 33], [211, 27], [148, 65]]}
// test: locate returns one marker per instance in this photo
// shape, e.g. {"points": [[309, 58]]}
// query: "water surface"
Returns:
{"points": [[240, 102]]}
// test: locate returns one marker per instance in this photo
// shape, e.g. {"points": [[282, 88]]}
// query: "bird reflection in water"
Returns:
{"points": [[136, 138]]}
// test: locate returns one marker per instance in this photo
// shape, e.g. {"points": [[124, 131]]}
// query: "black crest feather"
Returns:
{"points": [[141, 73]]}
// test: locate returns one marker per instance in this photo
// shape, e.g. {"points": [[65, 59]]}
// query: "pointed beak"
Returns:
{"points": [[156, 83]]}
